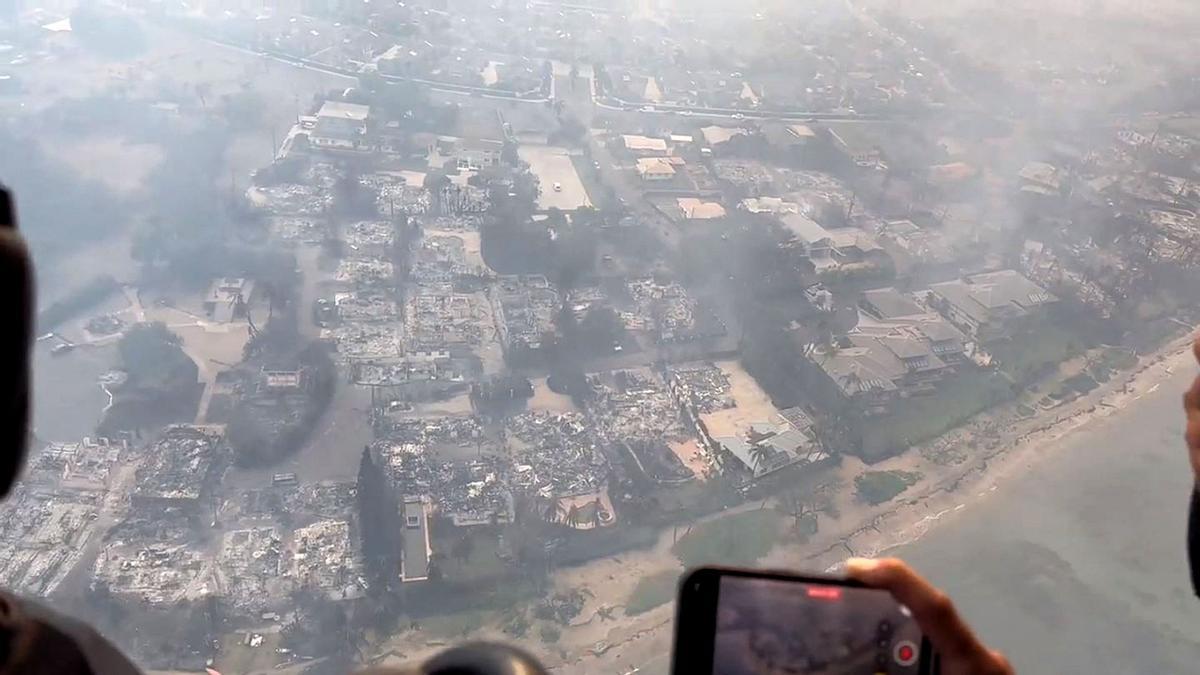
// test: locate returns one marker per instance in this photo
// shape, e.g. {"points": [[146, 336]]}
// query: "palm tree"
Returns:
{"points": [[853, 382], [554, 510], [597, 507], [759, 453], [795, 504], [573, 517], [463, 548]]}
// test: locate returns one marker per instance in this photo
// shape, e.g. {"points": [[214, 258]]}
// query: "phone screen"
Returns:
{"points": [[766, 625]]}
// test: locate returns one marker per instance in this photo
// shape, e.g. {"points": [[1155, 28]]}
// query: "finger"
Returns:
{"points": [[932, 609], [8, 215], [1196, 349], [1191, 406]]}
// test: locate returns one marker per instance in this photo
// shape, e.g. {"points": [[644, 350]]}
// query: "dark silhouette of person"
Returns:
{"points": [[34, 640]]}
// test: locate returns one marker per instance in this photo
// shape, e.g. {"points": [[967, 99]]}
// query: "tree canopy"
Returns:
{"points": [[154, 358], [379, 524]]}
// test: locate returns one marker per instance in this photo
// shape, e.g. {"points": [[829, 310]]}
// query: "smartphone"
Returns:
{"points": [[748, 622]]}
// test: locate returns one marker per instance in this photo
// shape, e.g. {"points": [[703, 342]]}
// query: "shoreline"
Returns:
{"points": [[944, 490], [915, 513]]}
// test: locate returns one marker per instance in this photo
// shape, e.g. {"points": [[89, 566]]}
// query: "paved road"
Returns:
{"points": [[332, 451], [610, 104]]}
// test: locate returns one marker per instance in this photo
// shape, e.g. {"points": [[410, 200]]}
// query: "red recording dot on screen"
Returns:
{"points": [[905, 653], [824, 592]]}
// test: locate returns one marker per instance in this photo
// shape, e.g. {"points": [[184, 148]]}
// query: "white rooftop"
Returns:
{"points": [[346, 111]]}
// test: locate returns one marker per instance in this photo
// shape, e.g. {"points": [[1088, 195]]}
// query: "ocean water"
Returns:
{"points": [[1078, 565], [68, 402]]}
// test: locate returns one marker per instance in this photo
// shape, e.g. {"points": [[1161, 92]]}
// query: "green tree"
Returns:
{"points": [[379, 524], [759, 453], [153, 357]]}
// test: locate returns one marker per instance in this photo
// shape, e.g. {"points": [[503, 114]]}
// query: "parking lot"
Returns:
{"points": [[552, 165]]}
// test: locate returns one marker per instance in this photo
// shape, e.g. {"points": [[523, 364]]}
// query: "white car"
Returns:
{"points": [[558, 187]]}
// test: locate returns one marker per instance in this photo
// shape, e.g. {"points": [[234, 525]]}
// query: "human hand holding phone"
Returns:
{"points": [[960, 652], [732, 621]]}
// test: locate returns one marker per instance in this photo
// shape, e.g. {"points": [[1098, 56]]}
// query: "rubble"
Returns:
{"points": [[322, 500], [395, 195], [297, 228], [749, 175], [291, 199], [555, 454], [440, 258], [365, 273], [634, 404], [249, 568], [705, 386], [323, 558], [154, 559], [366, 306], [454, 223], [667, 307], [474, 492], [82, 466], [414, 373], [525, 308], [369, 237], [368, 341], [437, 317], [177, 468], [46, 533]]}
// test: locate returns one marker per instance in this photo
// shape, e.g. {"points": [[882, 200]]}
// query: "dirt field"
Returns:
{"points": [[471, 244], [553, 165], [219, 345], [459, 405], [692, 456], [544, 399], [753, 404]]}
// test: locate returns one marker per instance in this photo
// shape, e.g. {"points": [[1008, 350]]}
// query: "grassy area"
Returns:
{"points": [[1035, 351], [238, 657], [740, 539], [652, 591], [456, 625], [916, 420], [483, 561], [1109, 361], [877, 487]]}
